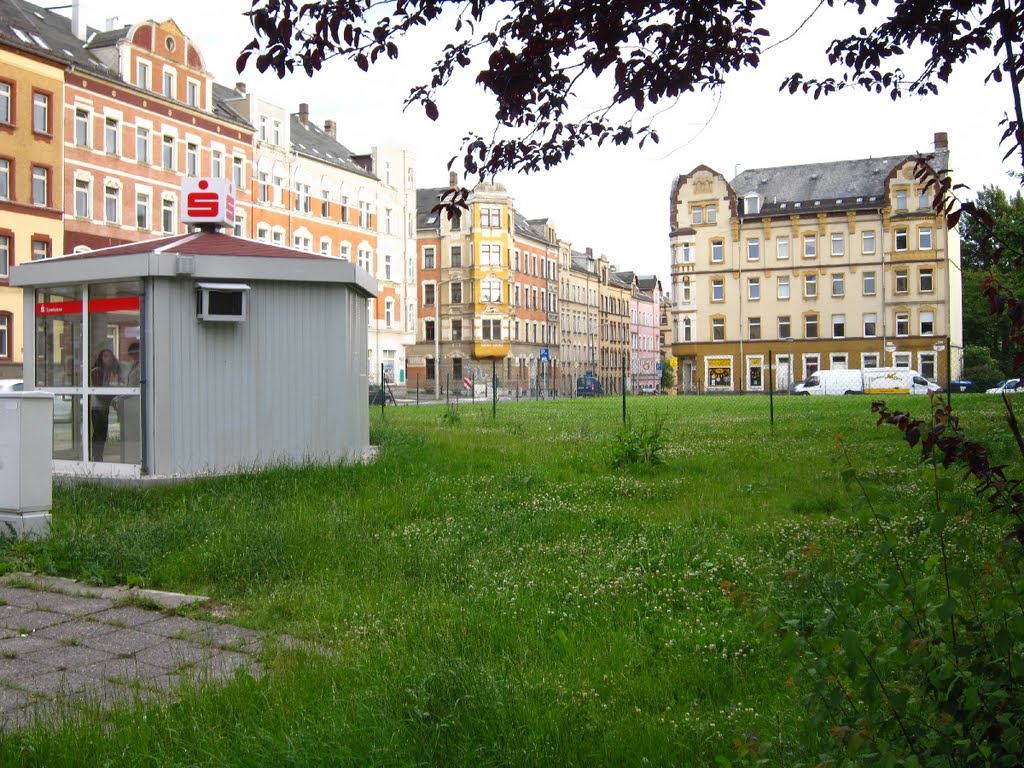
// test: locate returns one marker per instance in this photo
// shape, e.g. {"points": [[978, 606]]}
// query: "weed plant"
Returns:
{"points": [[493, 591]]}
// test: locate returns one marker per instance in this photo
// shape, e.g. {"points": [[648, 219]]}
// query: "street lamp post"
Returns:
{"points": [[437, 341]]}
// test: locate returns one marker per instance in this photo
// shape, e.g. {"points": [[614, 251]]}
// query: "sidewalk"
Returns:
{"points": [[64, 643]]}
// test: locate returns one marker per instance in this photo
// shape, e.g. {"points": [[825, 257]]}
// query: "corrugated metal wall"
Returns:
{"points": [[285, 386]]}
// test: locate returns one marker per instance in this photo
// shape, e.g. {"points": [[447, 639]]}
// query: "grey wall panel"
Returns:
{"points": [[286, 386]]}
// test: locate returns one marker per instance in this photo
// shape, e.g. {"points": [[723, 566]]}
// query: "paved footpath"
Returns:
{"points": [[64, 643]]}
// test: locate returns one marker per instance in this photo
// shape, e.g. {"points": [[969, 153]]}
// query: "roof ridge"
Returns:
{"points": [[181, 241]]}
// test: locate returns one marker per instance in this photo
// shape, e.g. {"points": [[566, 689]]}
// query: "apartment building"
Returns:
{"points": [[644, 331], [578, 292], [833, 265], [488, 292], [31, 174], [614, 294]]}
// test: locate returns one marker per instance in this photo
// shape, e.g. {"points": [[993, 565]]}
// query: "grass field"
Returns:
{"points": [[492, 592]]}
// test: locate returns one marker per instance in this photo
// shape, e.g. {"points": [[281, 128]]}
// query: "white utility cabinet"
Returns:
{"points": [[26, 454]]}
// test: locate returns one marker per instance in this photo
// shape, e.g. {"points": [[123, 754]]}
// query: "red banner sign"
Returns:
{"points": [[44, 308], [118, 304]]}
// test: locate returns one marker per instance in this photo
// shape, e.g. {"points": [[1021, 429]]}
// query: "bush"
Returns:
{"points": [[645, 445]]}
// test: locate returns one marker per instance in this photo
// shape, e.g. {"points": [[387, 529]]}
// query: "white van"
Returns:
{"points": [[871, 381]]}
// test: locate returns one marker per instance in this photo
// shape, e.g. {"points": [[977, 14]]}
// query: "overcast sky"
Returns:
{"points": [[612, 199]]}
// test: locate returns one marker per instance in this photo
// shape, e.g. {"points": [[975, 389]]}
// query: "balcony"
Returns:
{"points": [[484, 349]]}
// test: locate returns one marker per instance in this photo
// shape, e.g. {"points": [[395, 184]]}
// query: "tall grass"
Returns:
{"points": [[490, 591]]}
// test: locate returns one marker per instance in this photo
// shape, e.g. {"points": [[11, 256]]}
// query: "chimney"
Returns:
{"points": [[453, 179], [304, 113], [77, 21], [331, 128], [590, 253], [941, 141], [240, 87], [112, 23]]}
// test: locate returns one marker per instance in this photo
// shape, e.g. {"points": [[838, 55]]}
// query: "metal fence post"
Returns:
{"points": [[771, 388], [623, 390], [494, 388]]}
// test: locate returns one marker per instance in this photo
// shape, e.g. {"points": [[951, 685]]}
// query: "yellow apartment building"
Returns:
{"points": [[831, 265], [31, 180]]}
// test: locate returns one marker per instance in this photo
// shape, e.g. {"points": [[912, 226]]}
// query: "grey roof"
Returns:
{"points": [[222, 94], [837, 185], [51, 36], [425, 200], [530, 228], [313, 141]]}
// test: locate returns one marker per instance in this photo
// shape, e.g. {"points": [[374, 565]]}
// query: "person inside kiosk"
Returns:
{"points": [[106, 372]]}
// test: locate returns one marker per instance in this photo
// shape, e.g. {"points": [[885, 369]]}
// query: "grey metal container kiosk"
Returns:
{"points": [[248, 355]]}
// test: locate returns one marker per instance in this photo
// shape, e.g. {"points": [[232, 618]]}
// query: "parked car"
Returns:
{"points": [[1010, 385], [588, 386], [61, 403], [380, 395], [649, 391]]}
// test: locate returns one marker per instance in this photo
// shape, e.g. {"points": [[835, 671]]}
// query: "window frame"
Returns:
{"points": [[47, 117]]}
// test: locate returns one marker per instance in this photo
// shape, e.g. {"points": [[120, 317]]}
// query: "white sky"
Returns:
{"points": [[615, 200]]}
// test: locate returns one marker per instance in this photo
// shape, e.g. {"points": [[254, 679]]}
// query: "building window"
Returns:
{"points": [[902, 323], [428, 257], [810, 246], [456, 293], [5, 255], [490, 253], [365, 258], [263, 233], [901, 239], [387, 221], [927, 323], [168, 83], [491, 329], [238, 171], [456, 330], [40, 250], [924, 198], [168, 153], [810, 326], [389, 313], [717, 251], [867, 242], [901, 359], [216, 163], [718, 329], [81, 128], [167, 215], [869, 284], [428, 294], [838, 245], [364, 215], [142, 210], [869, 360], [40, 112], [192, 159], [782, 248], [276, 137], [142, 74], [6, 103], [111, 204], [40, 185], [838, 284], [490, 291], [754, 288], [5, 335], [711, 213], [110, 131], [785, 327], [927, 281], [456, 256], [870, 325], [812, 362], [902, 281], [783, 287], [142, 144], [697, 215], [686, 253], [83, 209], [901, 199], [924, 238], [810, 286], [838, 326], [428, 334], [717, 290], [262, 187], [192, 93], [753, 250], [5, 179], [928, 367], [754, 328], [687, 329]]}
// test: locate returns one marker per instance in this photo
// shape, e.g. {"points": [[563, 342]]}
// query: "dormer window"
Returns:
{"points": [[751, 204]]}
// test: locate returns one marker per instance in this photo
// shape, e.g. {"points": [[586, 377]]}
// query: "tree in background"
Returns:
{"points": [[535, 58], [668, 375]]}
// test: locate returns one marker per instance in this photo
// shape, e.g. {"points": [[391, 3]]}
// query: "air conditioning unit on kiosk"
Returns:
{"points": [[221, 302]]}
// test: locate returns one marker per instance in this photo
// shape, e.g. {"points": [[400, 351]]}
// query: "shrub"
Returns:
{"points": [[643, 445]]}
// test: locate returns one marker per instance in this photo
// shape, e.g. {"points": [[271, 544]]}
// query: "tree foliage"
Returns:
{"points": [[533, 58]]}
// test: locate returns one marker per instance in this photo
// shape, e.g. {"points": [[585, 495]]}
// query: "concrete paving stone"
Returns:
{"points": [[121, 671], [63, 657], [25, 620], [58, 603], [223, 664], [14, 719], [126, 616], [75, 630], [178, 627], [123, 641], [18, 646], [56, 683], [173, 654], [231, 637], [12, 698], [14, 670]]}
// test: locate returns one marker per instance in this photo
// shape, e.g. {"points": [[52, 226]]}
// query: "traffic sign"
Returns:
{"points": [[545, 354]]}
